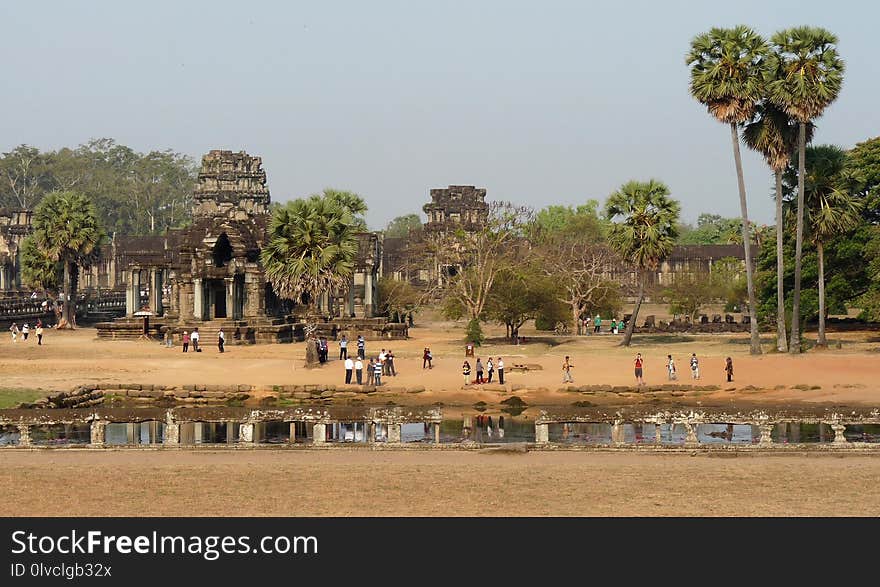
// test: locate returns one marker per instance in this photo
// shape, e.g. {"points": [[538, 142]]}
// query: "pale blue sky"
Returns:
{"points": [[539, 102]]}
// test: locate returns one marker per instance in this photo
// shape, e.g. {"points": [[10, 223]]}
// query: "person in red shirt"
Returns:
{"points": [[638, 370]]}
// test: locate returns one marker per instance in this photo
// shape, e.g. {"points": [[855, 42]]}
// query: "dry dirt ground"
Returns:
{"points": [[432, 483], [450, 483]]}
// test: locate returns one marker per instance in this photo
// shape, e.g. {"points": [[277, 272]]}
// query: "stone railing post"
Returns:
{"points": [[691, 429], [319, 433], [97, 432], [766, 432], [394, 433], [436, 432], [246, 433], [542, 433], [839, 428], [658, 432], [24, 438]]}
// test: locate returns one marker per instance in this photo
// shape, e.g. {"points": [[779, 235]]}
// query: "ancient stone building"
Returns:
{"points": [[456, 206], [14, 226]]}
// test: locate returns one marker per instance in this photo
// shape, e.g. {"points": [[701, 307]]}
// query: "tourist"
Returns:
{"points": [[25, 330], [466, 371], [695, 366], [382, 362], [728, 368], [343, 348], [377, 375], [185, 340], [39, 332], [318, 350], [597, 324], [194, 337], [361, 344], [638, 370], [358, 371], [614, 326], [566, 370], [389, 362], [371, 372], [221, 339], [670, 368], [500, 366], [479, 370], [490, 369], [14, 330], [426, 358], [349, 365], [325, 351], [169, 338]]}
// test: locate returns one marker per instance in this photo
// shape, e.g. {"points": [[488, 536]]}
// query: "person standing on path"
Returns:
{"points": [[427, 357], [361, 345], [500, 371], [185, 340], [359, 371], [349, 366], [670, 368], [389, 361], [566, 370], [466, 372], [728, 368], [695, 366], [639, 364], [14, 330], [377, 373], [597, 324], [382, 358], [479, 370], [25, 330], [371, 372], [194, 337], [221, 340], [343, 348], [490, 369], [39, 332]]}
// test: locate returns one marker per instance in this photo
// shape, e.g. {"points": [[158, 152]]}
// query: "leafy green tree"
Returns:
{"points": [[861, 177], [397, 298], [582, 221], [474, 332], [805, 74], [23, 177], [643, 231], [711, 229], [401, 226], [518, 294], [727, 76], [66, 231]]}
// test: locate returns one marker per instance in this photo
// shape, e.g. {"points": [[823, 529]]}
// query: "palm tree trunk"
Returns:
{"points": [[781, 338], [795, 346], [755, 345], [821, 250], [627, 335], [67, 306]]}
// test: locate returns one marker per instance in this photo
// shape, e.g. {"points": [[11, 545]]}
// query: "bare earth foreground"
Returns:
{"points": [[433, 483]]}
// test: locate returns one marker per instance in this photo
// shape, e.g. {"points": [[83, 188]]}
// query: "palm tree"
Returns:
{"points": [[66, 231], [830, 210], [727, 76], [643, 231], [310, 250], [773, 133], [808, 77]]}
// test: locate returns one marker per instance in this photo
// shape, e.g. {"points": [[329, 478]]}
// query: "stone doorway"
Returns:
{"points": [[215, 291]]}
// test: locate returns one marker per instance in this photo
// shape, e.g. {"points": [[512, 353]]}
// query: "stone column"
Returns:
{"points": [[368, 295], [97, 432], [839, 428], [198, 299], [617, 436], [246, 433], [658, 432], [155, 292], [3, 277], [319, 433], [542, 433], [230, 296], [436, 432], [691, 437], [131, 299], [766, 434], [24, 438], [292, 438], [394, 433], [350, 307]]}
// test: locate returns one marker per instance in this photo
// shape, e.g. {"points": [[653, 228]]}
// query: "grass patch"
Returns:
{"points": [[9, 398]]}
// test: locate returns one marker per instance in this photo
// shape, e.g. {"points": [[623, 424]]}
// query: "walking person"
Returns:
{"points": [[194, 337], [14, 330], [359, 371], [670, 368], [371, 372], [638, 369], [185, 340], [221, 340], [728, 368], [361, 345], [500, 371], [377, 375], [566, 370], [597, 324], [39, 332], [479, 370], [695, 366], [490, 369], [389, 361], [466, 372], [25, 330], [343, 348], [426, 358], [349, 366], [382, 358]]}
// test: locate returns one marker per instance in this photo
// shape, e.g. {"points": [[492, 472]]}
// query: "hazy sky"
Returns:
{"points": [[539, 102]]}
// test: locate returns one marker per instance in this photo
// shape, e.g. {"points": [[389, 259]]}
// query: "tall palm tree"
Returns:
{"points": [[643, 231], [809, 75], [310, 250], [67, 231], [829, 209], [727, 76], [773, 133]]}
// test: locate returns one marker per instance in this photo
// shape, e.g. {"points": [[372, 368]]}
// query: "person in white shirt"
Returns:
{"points": [[221, 340], [343, 348], [349, 365], [25, 330], [194, 337], [500, 366], [359, 371]]}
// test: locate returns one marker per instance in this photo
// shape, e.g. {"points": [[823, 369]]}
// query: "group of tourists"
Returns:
{"points": [[614, 328], [381, 365], [639, 366], [25, 331], [488, 369], [191, 338]]}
